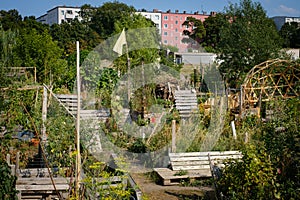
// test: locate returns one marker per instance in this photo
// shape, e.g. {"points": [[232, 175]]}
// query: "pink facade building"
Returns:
{"points": [[172, 28]]}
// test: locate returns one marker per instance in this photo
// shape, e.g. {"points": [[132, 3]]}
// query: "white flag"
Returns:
{"points": [[118, 48]]}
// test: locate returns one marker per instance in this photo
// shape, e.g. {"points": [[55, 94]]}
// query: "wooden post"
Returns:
{"points": [[259, 104], [143, 91], [241, 100], [44, 115], [8, 158], [17, 164], [233, 129], [246, 137], [34, 74], [227, 98], [216, 91], [195, 77], [173, 148], [78, 157]]}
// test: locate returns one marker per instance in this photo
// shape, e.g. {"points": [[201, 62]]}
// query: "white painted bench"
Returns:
{"points": [[193, 165], [200, 160]]}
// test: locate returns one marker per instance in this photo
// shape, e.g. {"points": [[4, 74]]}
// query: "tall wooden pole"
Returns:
{"points": [[78, 157], [44, 115], [173, 148], [128, 72]]}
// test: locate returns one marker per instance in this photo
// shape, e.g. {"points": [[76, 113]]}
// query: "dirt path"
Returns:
{"points": [[153, 191]]}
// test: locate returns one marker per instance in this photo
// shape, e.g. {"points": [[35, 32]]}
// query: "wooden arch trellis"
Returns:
{"points": [[270, 80]]}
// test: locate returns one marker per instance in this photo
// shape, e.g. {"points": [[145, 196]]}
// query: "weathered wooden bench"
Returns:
{"points": [[193, 165]]}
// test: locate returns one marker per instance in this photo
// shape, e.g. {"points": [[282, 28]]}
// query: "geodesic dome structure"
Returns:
{"points": [[270, 80]]}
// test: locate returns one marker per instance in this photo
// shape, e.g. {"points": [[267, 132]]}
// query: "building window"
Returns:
{"points": [[166, 41], [166, 25], [176, 22], [165, 17], [165, 33], [176, 38], [69, 12], [180, 18], [176, 30], [62, 12], [157, 17]]}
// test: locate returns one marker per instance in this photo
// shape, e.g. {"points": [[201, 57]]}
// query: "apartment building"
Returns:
{"points": [[168, 23], [172, 29], [154, 16], [59, 15]]}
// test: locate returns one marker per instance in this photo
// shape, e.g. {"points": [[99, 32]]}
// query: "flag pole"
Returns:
{"points": [[128, 72], [118, 48]]}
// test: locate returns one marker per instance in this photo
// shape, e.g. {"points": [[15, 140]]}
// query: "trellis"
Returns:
{"points": [[269, 80]]}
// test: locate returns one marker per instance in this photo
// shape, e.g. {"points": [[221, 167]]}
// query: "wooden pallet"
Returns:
{"points": [[169, 176]]}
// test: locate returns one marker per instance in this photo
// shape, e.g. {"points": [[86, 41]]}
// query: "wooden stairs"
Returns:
{"points": [[185, 102]]}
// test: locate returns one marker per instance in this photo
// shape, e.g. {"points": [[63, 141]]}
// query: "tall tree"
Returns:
{"points": [[10, 19], [38, 50], [249, 39], [195, 31], [66, 34], [103, 21], [31, 23], [290, 32], [213, 26]]}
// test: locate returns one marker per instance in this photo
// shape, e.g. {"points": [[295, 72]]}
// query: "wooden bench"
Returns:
{"points": [[193, 165]]}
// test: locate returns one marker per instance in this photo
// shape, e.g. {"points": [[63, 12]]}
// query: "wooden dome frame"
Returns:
{"points": [[270, 80]]}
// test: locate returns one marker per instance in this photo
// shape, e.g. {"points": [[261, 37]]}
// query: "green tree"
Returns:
{"points": [[86, 13], [249, 39], [66, 34], [103, 22], [31, 23], [10, 19], [38, 50], [213, 26], [196, 31], [290, 32]]}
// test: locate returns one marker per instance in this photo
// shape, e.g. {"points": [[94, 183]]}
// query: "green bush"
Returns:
{"points": [[254, 177], [7, 182]]}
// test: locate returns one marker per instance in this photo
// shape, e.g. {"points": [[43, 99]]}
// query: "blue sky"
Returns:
{"points": [[40, 7]]}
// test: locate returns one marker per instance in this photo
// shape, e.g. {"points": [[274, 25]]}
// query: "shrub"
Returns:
{"points": [[7, 182], [252, 178]]}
